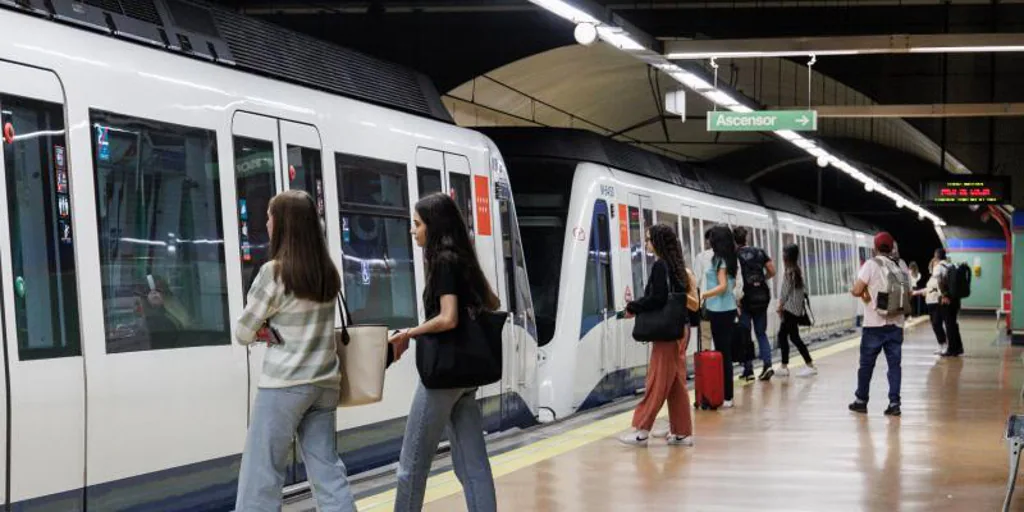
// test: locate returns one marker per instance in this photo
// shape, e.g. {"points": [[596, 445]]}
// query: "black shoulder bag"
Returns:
{"points": [[468, 356], [806, 319], [666, 324]]}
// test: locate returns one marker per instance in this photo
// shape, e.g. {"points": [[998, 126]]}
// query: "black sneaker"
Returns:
{"points": [[893, 410], [766, 374], [861, 407]]}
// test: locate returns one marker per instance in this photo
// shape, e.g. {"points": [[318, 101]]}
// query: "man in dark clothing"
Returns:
{"points": [[756, 268], [949, 306]]}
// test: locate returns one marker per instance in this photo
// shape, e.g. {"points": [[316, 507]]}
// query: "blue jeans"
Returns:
{"points": [[277, 415], [433, 411], [874, 340], [760, 320]]}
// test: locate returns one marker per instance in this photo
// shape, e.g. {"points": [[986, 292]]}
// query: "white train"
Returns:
{"points": [[584, 203], [137, 175]]}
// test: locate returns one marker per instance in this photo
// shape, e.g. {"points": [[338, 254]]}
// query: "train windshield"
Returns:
{"points": [[541, 191]]}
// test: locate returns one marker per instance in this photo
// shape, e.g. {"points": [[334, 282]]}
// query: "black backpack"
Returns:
{"points": [[756, 294], [958, 280]]}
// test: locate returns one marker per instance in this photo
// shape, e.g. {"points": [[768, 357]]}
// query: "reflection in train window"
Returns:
{"points": [[160, 232], [377, 264], [254, 186], [598, 290], [684, 238], [305, 172], [428, 181], [42, 244], [462, 193]]}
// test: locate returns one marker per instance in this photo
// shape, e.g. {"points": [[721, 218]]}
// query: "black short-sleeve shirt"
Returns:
{"points": [[447, 280]]}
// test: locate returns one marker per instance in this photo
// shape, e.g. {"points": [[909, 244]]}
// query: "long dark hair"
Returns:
{"points": [[791, 257], [298, 246], [667, 247], [724, 247], [448, 244]]}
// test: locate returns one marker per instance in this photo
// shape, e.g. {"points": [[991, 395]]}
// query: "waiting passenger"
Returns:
{"points": [[294, 294], [932, 297], [792, 300], [720, 301], [454, 281], [915, 280], [666, 373], [756, 268], [949, 305], [883, 326]]}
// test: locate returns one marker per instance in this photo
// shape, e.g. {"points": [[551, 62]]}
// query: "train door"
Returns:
{"points": [[641, 216], [42, 356], [271, 155], [598, 311]]}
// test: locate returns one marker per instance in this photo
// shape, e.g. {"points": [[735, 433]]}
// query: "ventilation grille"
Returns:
{"points": [[142, 10], [192, 18], [284, 54], [722, 185]]}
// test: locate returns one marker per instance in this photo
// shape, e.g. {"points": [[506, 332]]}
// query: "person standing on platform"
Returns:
{"points": [[720, 300], [915, 280], [882, 331], [756, 268], [792, 305], [949, 306], [932, 296], [666, 374], [293, 298]]}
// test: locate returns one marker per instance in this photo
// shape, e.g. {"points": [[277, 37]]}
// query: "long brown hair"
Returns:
{"points": [[298, 246], [667, 247]]}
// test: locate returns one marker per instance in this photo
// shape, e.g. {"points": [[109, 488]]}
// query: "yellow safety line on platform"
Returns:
{"points": [[446, 484]]}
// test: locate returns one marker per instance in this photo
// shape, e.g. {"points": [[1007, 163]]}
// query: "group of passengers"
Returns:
{"points": [[292, 299], [736, 298]]}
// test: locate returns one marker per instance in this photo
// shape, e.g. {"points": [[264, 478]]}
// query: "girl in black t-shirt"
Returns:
{"points": [[454, 281]]}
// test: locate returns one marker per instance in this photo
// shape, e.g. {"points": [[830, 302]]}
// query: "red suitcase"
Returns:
{"points": [[708, 379]]}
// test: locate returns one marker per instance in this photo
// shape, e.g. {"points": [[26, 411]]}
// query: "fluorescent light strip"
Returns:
{"points": [[721, 98], [566, 11], [618, 38], [967, 49]]}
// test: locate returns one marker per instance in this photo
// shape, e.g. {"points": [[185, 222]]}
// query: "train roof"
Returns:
{"points": [[231, 39], [588, 146]]}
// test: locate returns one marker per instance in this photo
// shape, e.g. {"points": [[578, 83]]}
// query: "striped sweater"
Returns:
{"points": [[306, 354]]}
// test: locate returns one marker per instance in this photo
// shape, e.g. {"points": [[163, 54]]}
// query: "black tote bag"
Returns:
{"points": [[666, 324], [467, 356]]}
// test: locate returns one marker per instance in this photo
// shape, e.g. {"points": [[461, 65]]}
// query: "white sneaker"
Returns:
{"points": [[808, 371], [727, 404], [782, 372], [674, 440], [941, 350], [636, 438]]}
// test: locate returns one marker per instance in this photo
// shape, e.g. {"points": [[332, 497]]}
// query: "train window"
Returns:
{"points": [[160, 233], [598, 290], [377, 264], [830, 266], [305, 172], [517, 282], [706, 226], [42, 248], [648, 256], [428, 181], [636, 251], [669, 219], [812, 265], [254, 186], [462, 192], [684, 238]]}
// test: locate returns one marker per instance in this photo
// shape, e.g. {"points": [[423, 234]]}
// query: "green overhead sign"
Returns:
{"points": [[763, 121]]}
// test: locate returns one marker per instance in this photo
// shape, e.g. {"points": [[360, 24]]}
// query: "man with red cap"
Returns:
{"points": [[877, 281]]}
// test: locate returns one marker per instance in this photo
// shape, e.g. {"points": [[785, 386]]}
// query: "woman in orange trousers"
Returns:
{"points": [[666, 373]]}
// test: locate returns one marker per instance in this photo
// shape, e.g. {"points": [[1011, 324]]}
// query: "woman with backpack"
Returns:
{"points": [[792, 301], [293, 297], [666, 373], [720, 300], [454, 283]]}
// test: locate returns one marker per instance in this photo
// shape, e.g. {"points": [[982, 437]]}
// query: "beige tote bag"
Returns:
{"points": [[362, 354]]}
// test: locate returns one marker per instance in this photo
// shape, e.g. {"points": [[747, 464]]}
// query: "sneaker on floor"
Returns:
{"points": [[766, 374], [893, 410], [783, 372], [748, 378], [727, 404], [635, 438], [858, 406], [674, 440], [941, 350], [808, 371]]}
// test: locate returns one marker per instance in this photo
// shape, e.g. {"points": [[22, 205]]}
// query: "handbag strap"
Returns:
{"points": [[346, 317], [807, 302]]}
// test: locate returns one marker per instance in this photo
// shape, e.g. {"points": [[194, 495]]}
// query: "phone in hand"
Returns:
{"points": [[620, 314]]}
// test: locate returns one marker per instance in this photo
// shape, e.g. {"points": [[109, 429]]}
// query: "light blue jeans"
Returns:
{"points": [[434, 410], [278, 414]]}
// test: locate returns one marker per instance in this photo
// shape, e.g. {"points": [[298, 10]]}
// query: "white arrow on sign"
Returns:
{"points": [[803, 120]]}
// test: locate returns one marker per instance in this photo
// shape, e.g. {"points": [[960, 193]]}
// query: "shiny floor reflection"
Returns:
{"points": [[791, 445]]}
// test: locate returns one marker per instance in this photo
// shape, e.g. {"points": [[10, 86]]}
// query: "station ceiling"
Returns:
{"points": [[508, 62]]}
